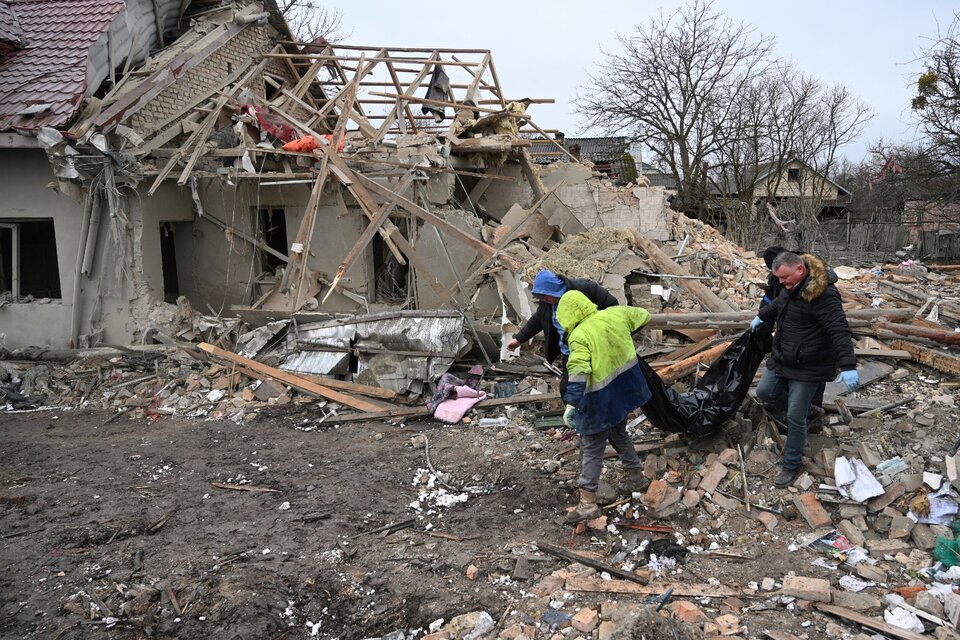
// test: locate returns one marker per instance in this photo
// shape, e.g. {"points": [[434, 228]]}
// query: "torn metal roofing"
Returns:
{"points": [[51, 67]]}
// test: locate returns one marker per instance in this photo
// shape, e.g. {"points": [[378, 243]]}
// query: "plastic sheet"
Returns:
{"points": [[716, 397]]}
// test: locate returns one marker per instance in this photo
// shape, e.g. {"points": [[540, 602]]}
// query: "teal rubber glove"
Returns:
{"points": [[850, 378], [756, 322], [568, 416]]}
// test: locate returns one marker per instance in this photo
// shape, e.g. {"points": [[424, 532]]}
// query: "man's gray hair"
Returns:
{"points": [[787, 259]]}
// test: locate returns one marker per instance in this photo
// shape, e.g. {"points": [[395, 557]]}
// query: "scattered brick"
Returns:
{"points": [[814, 589], [811, 510], [586, 620], [714, 475]]}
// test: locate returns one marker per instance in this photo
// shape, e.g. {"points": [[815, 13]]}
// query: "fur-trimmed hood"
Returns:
{"points": [[819, 277]]}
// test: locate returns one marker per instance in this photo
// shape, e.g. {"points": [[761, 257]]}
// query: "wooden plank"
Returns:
{"points": [[940, 336], [707, 298], [680, 589], [869, 372], [419, 412], [948, 309], [298, 259], [496, 143], [291, 379], [674, 372], [679, 354], [364, 238], [741, 319], [870, 623], [426, 216], [933, 358], [882, 353], [355, 387], [587, 561], [531, 174], [435, 103]]}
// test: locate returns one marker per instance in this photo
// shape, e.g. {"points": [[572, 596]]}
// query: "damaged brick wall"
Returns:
{"points": [[205, 78]]}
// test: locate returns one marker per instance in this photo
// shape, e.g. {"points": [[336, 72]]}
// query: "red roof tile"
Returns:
{"points": [[51, 68]]}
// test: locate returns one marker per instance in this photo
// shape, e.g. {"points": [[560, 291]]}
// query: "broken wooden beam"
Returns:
{"points": [[564, 554], [295, 381], [355, 387], [674, 372], [940, 336], [933, 358], [436, 221], [496, 143], [866, 621], [668, 265], [741, 319], [915, 296]]}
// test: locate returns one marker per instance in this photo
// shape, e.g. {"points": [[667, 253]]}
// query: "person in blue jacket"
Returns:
{"points": [[548, 288]]}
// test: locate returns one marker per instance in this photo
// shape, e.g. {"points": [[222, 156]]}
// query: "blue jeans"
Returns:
{"points": [[795, 396]]}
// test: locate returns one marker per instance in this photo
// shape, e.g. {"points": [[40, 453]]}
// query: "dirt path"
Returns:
{"points": [[80, 498]]}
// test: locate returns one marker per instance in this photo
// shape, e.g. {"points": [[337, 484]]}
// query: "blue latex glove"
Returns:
{"points": [[568, 416], [756, 322], [850, 378]]}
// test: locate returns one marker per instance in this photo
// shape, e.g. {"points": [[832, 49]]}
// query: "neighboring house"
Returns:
{"points": [[788, 186], [606, 154], [932, 228]]}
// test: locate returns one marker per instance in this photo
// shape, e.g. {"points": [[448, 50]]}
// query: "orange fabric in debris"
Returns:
{"points": [[305, 144], [343, 137]]}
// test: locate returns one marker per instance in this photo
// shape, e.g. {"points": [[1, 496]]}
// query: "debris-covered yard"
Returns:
{"points": [[284, 526]]}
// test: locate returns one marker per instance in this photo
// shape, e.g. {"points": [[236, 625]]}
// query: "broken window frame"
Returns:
{"points": [[14, 259], [16, 256]]}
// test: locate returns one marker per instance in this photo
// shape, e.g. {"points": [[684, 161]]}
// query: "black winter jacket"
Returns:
{"points": [[542, 318], [812, 338]]}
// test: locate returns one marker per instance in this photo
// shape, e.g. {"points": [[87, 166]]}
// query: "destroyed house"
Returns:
{"points": [[167, 159]]}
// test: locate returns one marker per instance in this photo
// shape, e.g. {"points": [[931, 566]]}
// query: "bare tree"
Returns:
{"points": [[781, 117], [937, 103], [673, 85], [311, 21]]}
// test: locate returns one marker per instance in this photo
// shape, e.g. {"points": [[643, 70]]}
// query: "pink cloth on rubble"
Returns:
{"points": [[454, 408]]}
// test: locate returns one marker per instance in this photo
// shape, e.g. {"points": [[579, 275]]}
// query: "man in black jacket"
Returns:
{"points": [[811, 342], [548, 288], [815, 419]]}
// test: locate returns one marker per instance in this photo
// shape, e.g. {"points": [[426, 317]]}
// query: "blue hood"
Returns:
{"points": [[547, 283]]}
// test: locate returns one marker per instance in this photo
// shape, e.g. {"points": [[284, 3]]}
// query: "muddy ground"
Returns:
{"points": [[125, 513]]}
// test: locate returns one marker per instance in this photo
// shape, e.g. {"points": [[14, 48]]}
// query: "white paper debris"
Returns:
{"points": [[854, 480], [903, 619]]}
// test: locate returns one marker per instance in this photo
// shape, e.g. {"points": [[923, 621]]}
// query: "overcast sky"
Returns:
{"points": [[546, 49]]}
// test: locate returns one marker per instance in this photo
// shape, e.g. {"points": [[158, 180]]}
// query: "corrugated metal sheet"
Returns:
{"points": [[133, 34], [320, 362], [400, 350]]}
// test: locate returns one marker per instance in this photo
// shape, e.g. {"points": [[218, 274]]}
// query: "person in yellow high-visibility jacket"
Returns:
{"points": [[605, 385]]}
